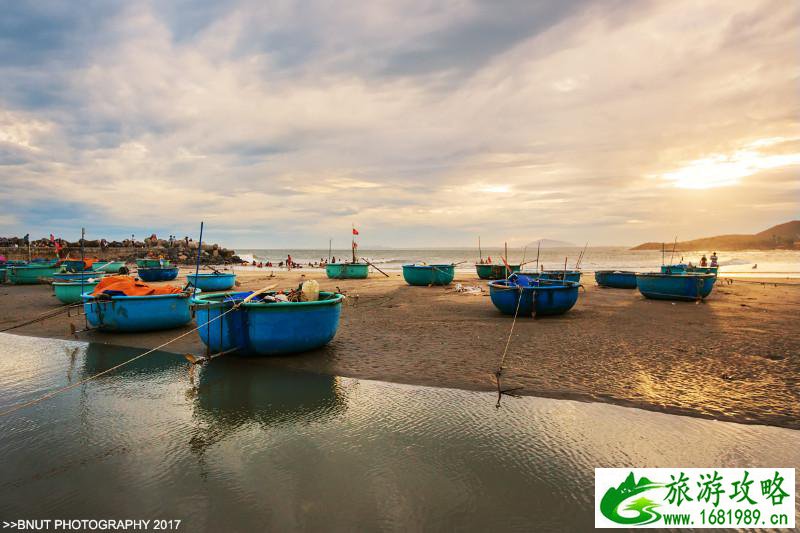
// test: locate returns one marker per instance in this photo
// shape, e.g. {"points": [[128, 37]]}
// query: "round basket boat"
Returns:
{"points": [[527, 296], [70, 292], [157, 273], [77, 276], [495, 271], [616, 279], [152, 263], [426, 275], [221, 281], [112, 267], [684, 287], [137, 313], [266, 328], [347, 270], [31, 274]]}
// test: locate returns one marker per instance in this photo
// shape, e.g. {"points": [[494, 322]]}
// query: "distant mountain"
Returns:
{"points": [[781, 237], [550, 243]]}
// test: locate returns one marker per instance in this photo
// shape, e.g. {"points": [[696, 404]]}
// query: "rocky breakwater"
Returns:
{"points": [[179, 251]]}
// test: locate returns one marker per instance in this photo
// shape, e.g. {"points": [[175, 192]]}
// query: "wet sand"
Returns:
{"points": [[735, 357]]}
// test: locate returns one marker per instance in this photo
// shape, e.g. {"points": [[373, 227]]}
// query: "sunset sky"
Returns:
{"points": [[420, 122]]}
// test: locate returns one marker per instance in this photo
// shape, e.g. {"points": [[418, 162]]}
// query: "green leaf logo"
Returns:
{"points": [[644, 507]]}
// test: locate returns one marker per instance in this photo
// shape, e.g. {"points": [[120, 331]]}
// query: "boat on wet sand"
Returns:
{"points": [[347, 270], [157, 273], [424, 275], [31, 274], [686, 286], [214, 281], [495, 271], [523, 295], [616, 279], [137, 313], [70, 292]]}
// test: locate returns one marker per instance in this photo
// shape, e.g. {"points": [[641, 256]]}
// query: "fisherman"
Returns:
{"points": [[703, 261], [714, 259]]}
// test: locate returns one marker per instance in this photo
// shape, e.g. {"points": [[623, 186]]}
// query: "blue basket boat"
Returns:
{"points": [[534, 296], [347, 270], [425, 275], [220, 281], [152, 263], [137, 313], [688, 286], [617, 279], [266, 328], [157, 273]]}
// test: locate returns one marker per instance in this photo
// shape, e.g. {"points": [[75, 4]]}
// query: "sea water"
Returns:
{"points": [[241, 445], [767, 263]]}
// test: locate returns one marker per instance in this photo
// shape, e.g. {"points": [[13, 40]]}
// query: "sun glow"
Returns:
{"points": [[720, 170]]}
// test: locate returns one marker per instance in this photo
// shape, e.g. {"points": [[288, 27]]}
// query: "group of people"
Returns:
{"points": [[704, 260]]}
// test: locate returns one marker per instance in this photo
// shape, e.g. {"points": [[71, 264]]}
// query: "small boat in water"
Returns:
{"points": [[495, 271], [687, 286], [426, 275], [157, 273], [347, 270], [533, 296], [264, 327], [31, 274], [70, 292], [617, 279], [215, 281]]}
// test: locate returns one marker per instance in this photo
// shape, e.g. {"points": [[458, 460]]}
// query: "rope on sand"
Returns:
{"points": [[43, 316], [51, 394], [499, 372]]}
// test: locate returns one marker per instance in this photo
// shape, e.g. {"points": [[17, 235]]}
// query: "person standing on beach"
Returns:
{"points": [[288, 261], [714, 259]]}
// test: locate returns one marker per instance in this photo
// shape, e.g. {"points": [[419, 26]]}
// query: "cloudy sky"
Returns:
{"points": [[420, 122]]}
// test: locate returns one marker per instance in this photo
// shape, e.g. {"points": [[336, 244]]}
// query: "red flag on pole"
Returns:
{"points": [[355, 231]]}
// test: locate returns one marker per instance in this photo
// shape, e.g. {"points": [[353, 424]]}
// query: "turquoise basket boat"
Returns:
{"points": [[77, 276], [152, 263], [212, 281], [530, 296], [347, 270], [687, 287], [616, 279], [674, 269], [111, 267], [137, 313], [426, 275], [70, 292], [495, 271], [31, 274], [266, 328]]}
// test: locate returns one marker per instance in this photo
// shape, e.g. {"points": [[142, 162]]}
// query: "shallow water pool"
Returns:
{"points": [[241, 445]]}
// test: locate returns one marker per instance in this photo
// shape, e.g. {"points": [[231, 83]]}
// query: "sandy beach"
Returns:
{"points": [[735, 357]]}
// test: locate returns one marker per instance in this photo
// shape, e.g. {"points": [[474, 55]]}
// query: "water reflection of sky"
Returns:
{"points": [[240, 445]]}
